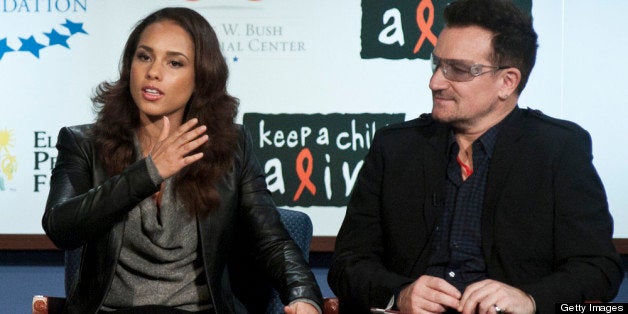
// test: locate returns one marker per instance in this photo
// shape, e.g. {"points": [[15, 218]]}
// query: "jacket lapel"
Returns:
{"points": [[432, 161], [504, 156], [435, 164]]}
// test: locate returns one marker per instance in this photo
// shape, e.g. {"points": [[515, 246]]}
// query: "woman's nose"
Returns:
{"points": [[154, 72]]}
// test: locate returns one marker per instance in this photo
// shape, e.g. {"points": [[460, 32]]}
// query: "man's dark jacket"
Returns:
{"points": [[546, 228], [87, 208]]}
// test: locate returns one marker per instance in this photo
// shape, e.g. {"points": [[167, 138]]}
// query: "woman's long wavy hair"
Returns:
{"points": [[118, 116]]}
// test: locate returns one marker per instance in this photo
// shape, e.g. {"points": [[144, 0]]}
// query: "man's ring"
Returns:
{"points": [[498, 310]]}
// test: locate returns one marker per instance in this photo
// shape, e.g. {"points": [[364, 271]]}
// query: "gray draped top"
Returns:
{"points": [[159, 263]]}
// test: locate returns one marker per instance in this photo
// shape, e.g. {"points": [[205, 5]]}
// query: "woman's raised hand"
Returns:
{"points": [[172, 151]]}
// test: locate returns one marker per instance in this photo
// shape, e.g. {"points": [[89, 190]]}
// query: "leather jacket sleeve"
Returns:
{"points": [[271, 244], [77, 209]]}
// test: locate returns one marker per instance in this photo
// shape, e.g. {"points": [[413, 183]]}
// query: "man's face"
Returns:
{"points": [[472, 104]]}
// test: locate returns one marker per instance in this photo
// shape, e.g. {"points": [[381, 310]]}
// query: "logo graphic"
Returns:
{"points": [[313, 159], [8, 162], [31, 45], [399, 29]]}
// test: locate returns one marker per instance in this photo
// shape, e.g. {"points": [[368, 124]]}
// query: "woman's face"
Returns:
{"points": [[162, 72]]}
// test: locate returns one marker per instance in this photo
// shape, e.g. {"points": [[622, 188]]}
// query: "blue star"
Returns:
{"points": [[31, 45], [235, 59], [57, 39], [74, 27], [4, 47]]}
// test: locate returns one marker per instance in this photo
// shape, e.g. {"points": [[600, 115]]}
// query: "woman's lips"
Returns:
{"points": [[151, 93]]}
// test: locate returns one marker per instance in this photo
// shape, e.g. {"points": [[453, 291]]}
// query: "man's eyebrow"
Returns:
{"points": [[459, 61]]}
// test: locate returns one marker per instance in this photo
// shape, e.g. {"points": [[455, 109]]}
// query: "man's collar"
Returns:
{"points": [[488, 138]]}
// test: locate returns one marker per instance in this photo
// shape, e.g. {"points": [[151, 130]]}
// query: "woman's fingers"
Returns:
{"points": [[192, 158], [171, 153], [165, 129], [185, 127], [191, 140], [195, 143]]}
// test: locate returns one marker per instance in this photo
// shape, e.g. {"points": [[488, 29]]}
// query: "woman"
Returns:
{"points": [[155, 190]]}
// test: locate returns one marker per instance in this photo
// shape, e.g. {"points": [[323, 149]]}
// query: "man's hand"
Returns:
{"points": [[483, 296], [428, 294], [300, 308], [172, 152]]}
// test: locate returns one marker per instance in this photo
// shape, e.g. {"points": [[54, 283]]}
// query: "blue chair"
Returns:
{"points": [[251, 288]]}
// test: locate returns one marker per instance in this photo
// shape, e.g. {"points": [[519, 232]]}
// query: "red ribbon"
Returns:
{"points": [[425, 26], [467, 170], [304, 173]]}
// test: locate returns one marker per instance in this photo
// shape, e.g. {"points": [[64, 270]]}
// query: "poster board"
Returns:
{"points": [[300, 58]]}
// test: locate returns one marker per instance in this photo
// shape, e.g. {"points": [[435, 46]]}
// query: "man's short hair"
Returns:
{"points": [[515, 41]]}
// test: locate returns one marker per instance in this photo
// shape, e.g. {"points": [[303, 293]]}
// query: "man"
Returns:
{"points": [[481, 206]]}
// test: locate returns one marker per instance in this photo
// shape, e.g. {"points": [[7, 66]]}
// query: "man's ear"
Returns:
{"points": [[510, 78]]}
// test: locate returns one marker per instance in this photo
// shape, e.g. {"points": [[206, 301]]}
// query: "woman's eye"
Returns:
{"points": [[142, 57], [176, 64]]}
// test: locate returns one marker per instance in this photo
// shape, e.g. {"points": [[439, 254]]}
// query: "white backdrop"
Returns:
{"points": [[579, 75]]}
